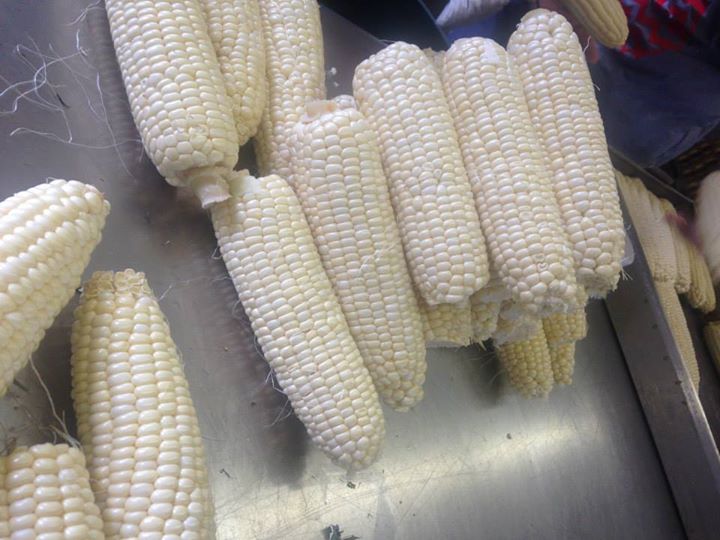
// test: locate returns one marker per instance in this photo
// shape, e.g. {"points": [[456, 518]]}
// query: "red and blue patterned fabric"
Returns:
{"points": [[658, 26]]}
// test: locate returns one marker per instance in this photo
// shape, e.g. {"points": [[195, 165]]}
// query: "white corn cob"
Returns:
{"points": [[563, 108], [339, 180], [562, 361], [652, 229], [604, 20], [49, 496], [271, 256], [401, 94], [678, 327], [136, 420], [707, 209], [683, 276], [235, 30], [176, 92], [485, 308], [446, 325], [4, 508], [295, 74], [512, 187], [528, 365], [711, 333], [701, 294], [47, 234]]}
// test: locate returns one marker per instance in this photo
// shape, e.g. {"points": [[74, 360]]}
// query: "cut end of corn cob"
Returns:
{"points": [[271, 256], [47, 234], [528, 365], [604, 20], [563, 108], [504, 160], [339, 180], [562, 359], [208, 184], [136, 420], [48, 495], [401, 94]]}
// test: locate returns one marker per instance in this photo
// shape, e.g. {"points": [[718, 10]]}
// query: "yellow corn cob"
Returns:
{"points": [[4, 509], [49, 496], [711, 333], [528, 365], [678, 327], [271, 256], [562, 361], [136, 420], [447, 325], [604, 20], [47, 234], [338, 177], [512, 188], [400, 93], [235, 30], [436, 58], [683, 275], [652, 229], [701, 294], [295, 74], [176, 92], [561, 99], [567, 327], [514, 323]]}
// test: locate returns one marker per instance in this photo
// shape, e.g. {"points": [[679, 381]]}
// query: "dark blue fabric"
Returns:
{"points": [[656, 108]]}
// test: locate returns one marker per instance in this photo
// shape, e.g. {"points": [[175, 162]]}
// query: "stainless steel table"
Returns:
{"points": [[473, 460]]}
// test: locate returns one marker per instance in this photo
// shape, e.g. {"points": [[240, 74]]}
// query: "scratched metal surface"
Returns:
{"points": [[471, 461]]}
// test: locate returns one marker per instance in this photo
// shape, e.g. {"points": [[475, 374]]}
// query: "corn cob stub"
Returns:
{"points": [[528, 365], [563, 108], [339, 180], [271, 256], [295, 70], [400, 93], [47, 234], [48, 495], [234, 28], [176, 91], [513, 192], [136, 420], [605, 20]]}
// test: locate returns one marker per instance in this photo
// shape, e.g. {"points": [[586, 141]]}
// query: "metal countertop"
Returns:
{"points": [[473, 460]]}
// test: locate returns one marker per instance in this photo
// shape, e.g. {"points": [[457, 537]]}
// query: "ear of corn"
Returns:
{"points": [[562, 360], [4, 504], [711, 333], [563, 108], [701, 294], [271, 256], [47, 234], [400, 93], [338, 177], [567, 327], [234, 28], [447, 325], [176, 92], [528, 365], [512, 188], [136, 420], [707, 209], [652, 229], [683, 276], [678, 327], [295, 73], [49, 496], [604, 20]]}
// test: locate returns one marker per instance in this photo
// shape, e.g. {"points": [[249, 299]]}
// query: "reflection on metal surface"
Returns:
{"points": [[472, 460]]}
